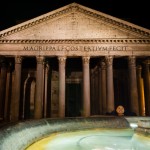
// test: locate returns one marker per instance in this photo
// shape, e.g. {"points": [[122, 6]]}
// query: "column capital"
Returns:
{"points": [[109, 60], [96, 71], [103, 65], [139, 70], [132, 60], [99, 69], [40, 59], [46, 67], [18, 59], [62, 59], [147, 62], [139, 67], [3, 62], [2, 59], [86, 59]]}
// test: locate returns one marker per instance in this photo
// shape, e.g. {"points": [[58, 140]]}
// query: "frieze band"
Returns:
{"points": [[74, 48]]}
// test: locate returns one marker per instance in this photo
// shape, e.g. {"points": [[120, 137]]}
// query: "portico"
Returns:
{"points": [[73, 32]]}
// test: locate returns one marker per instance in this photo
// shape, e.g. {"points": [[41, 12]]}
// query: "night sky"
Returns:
{"points": [[12, 11]]}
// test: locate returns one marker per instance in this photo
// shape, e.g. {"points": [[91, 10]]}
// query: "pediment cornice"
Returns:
{"points": [[74, 7], [78, 41]]}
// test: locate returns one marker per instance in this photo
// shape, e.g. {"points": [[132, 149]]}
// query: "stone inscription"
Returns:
{"points": [[75, 48]]}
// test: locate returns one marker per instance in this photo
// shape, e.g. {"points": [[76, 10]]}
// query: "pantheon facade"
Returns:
{"points": [[74, 61]]}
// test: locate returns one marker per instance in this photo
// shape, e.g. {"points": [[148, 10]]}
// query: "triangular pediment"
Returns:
{"points": [[74, 21]]}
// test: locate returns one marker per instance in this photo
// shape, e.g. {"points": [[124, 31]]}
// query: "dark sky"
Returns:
{"points": [[134, 11]]}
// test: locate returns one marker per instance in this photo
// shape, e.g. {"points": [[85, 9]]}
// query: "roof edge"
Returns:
{"points": [[142, 32]]}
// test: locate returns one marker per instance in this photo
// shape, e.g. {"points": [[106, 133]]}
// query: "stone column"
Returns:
{"points": [[62, 75], [110, 84], [96, 92], [146, 75], [45, 91], [86, 86], [8, 93], [39, 88], [92, 90], [2, 88], [140, 92], [94, 103], [49, 91], [17, 86], [133, 85], [100, 90], [103, 87]]}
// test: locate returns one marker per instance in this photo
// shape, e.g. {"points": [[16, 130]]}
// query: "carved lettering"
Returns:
{"points": [[74, 48]]}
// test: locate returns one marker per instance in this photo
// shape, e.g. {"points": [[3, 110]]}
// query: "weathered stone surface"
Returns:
{"points": [[143, 128], [75, 30], [54, 94], [74, 21], [21, 135], [144, 123]]}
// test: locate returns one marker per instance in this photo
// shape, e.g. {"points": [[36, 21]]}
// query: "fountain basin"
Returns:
{"points": [[21, 135]]}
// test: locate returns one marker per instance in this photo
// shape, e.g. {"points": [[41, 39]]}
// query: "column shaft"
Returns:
{"points": [[92, 93], [62, 82], [2, 88], [95, 109], [8, 94], [45, 89], [100, 91], [86, 86], [133, 85], [17, 86], [147, 86], [140, 92], [103, 87], [39, 89], [110, 84]]}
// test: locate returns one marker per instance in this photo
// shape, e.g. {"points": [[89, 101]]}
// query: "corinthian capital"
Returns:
{"points": [[62, 59], [40, 59], [86, 60], [2, 61], [46, 67], [103, 65], [131, 61], [18, 59], [147, 62], [109, 60]]}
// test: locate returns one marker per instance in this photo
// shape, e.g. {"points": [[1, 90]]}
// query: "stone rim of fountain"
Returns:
{"points": [[144, 124]]}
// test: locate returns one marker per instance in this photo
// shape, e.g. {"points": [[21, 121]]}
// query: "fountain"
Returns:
{"points": [[91, 133]]}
